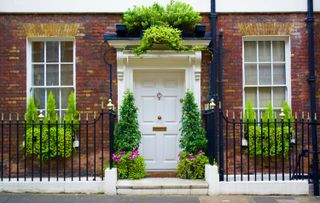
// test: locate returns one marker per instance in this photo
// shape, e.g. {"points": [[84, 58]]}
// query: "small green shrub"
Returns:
{"points": [[192, 166], [72, 115], [143, 17], [32, 113], [266, 139], [130, 165], [193, 138], [56, 141], [160, 35], [249, 114], [51, 114], [58, 147], [127, 134], [181, 15]]}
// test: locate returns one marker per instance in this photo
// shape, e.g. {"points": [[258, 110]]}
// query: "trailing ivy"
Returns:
{"points": [[160, 35]]}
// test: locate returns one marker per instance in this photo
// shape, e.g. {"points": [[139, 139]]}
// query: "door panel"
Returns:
{"points": [[158, 97]]}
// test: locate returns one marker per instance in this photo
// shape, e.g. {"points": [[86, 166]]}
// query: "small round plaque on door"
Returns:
{"points": [[159, 117]]}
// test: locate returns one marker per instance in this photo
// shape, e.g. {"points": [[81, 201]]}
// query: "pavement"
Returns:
{"points": [[97, 198]]}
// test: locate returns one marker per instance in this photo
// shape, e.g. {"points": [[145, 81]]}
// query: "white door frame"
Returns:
{"points": [[190, 62]]}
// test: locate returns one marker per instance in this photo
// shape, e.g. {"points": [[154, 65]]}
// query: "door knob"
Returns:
{"points": [[159, 117]]}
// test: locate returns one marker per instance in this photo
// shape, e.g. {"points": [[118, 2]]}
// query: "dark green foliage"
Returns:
{"points": [[48, 139], [127, 134], [32, 112], [193, 136], [160, 35], [271, 135], [181, 15], [192, 166]]}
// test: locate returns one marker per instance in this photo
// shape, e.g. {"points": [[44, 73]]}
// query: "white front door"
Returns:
{"points": [[158, 98]]}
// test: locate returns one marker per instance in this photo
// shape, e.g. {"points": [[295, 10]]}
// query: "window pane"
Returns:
{"points": [[278, 96], [52, 75], [278, 51], [66, 74], [250, 52], [265, 74], [264, 51], [265, 96], [251, 74], [251, 94], [66, 51], [52, 51], [55, 92], [37, 51], [65, 92], [39, 97], [38, 75], [279, 74]]}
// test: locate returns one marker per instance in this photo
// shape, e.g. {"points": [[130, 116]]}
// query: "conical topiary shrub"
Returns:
{"points": [[193, 136], [193, 141], [127, 134], [127, 159]]}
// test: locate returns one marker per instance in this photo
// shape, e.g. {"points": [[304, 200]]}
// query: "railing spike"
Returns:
{"points": [[308, 116], [87, 117], [315, 116], [57, 117], [17, 116], [102, 105], [227, 114], [79, 116], [233, 115], [94, 115], [72, 116], [9, 116], [302, 115], [295, 115], [240, 114], [2, 116]]}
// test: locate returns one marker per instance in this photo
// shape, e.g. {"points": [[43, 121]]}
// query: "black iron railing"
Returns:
{"points": [[58, 150], [273, 150]]}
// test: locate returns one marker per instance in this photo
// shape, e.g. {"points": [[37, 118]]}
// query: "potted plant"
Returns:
{"points": [[193, 141], [127, 159], [163, 25]]}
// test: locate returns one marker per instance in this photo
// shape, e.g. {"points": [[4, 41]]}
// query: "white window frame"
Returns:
{"points": [[270, 38], [30, 71]]}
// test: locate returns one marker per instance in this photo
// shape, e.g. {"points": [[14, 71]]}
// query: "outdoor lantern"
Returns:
{"points": [[211, 104]]}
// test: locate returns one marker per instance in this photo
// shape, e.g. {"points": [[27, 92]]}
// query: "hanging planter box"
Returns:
{"points": [[200, 30], [121, 30]]}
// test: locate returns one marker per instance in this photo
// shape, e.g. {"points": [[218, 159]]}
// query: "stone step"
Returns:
{"points": [[174, 186]]}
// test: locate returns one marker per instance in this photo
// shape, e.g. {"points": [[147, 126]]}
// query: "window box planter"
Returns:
{"points": [[121, 30]]}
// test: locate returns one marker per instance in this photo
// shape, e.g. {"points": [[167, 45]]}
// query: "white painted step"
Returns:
{"points": [[174, 186]]}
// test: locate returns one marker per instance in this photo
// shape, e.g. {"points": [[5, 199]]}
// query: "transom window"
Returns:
{"points": [[52, 70], [266, 73]]}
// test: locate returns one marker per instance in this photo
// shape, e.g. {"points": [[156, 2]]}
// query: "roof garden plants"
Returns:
{"points": [[161, 25]]}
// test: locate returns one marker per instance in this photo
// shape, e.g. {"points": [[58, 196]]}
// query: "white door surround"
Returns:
{"points": [[187, 66], [188, 62]]}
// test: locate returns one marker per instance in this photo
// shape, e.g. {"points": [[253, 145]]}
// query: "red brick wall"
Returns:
{"points": [[232, 58], [92, 76]]}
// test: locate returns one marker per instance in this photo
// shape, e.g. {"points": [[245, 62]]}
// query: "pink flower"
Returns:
{"points": [[122, 152], [134, 154]]}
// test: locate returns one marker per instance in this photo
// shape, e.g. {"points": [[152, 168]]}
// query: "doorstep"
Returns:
{"points": [[159, 186]]}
